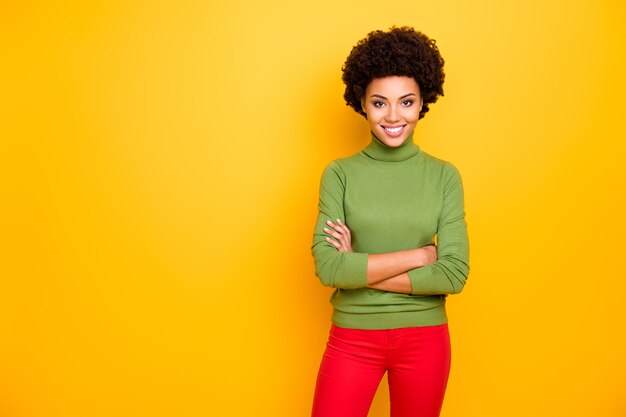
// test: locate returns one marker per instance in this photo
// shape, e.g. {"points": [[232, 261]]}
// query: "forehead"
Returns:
{"points": [[392, 86]]}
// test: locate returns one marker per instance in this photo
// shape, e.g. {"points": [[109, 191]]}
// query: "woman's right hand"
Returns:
{"points": [[429, 254]]}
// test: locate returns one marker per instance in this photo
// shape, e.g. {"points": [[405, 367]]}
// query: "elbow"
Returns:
{"points": [[457, 288], [333, 278], [346, 270], [460, 279], [453, 273], [327, 280], [325, 270]]}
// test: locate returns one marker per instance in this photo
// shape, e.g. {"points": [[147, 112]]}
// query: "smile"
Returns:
{"points": [[394, 131]]}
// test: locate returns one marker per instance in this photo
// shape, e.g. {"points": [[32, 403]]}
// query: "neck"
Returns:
{"points": [[380, 151]]}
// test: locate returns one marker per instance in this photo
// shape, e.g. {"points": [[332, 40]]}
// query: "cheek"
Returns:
{"points": [[373, 122], [373, 115], [412, 115]]}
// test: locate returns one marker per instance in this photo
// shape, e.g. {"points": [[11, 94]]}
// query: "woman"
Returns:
{"points": [[374, 240]]}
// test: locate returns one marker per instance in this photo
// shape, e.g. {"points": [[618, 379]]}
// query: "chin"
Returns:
{"points": [[393, 142]]}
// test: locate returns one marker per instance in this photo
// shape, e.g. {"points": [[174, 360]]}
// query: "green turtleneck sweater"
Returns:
{"points": [[391, 199]]}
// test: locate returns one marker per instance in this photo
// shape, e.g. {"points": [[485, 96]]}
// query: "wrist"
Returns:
{"points": [[420, 257]]}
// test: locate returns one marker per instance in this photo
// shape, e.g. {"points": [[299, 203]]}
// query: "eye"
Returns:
{"points": [[378, 104], [407, 103]]}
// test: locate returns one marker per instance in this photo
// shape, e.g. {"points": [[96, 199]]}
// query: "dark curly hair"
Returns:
{"points": [[401, 51]]}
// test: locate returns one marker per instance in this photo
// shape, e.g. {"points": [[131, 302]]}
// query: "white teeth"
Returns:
{"points": [[393, 130]]}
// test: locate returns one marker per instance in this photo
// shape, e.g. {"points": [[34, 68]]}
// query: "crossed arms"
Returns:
{"points": [[385, 271], [426, 270]]}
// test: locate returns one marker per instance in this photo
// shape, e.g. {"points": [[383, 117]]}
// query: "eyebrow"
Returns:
{"points": [[404, 96]]}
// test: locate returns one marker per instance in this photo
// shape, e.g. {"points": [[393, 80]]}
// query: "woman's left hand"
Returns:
{"points": [[341, 233]]}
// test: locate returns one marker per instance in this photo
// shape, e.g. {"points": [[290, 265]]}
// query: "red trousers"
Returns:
{"points": [[417, 360]]}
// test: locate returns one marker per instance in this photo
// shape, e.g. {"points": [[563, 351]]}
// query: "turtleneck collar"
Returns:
{"points": [[380, 151]]}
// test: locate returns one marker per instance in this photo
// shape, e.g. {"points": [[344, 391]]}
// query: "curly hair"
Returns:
{"points": [[401, 51]]}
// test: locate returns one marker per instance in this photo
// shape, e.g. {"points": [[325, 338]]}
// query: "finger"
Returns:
{"points": [[347, 238], [334, 225], [336, 233], [332, 242], [333, 233], [341, 225]]}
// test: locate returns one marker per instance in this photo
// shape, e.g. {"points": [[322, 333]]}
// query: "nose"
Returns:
{"points": [[392, 114]]}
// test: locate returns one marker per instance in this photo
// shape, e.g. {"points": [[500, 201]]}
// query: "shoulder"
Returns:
{"points": [[333, 175], [342, 165], [444, 167], [334, 166]]}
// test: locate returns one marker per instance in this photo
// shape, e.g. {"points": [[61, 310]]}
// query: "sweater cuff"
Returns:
{"points": [[423, 280], [355, 270]]}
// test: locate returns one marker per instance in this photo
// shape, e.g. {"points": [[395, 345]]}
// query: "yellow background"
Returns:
{"points": [[160, 164]]}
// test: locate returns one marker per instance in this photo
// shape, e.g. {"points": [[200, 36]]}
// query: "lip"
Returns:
{"points": [[393, 134]]}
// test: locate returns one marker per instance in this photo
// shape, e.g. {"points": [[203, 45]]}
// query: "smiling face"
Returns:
{"points": [[392, 105]]}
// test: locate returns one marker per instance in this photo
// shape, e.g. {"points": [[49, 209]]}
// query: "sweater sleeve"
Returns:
{"points": [[449, 273], [334, 268]]}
